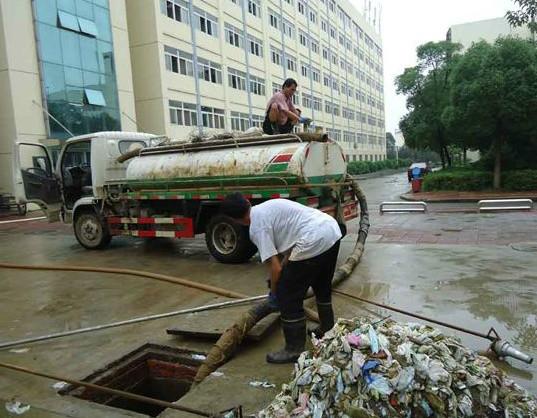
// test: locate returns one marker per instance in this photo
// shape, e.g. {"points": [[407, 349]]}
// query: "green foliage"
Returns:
{"points": [[428, 92], [494, 98], [471, 178], [364, 167], [457, 180], [520, 180], [525, 15], [390, 146]]}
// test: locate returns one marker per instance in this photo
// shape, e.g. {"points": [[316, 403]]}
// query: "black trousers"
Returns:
{"points": [[298, 276]]}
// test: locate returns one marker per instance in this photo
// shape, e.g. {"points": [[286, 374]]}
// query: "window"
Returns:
{"points": [[276, 56], [234, 36], [209, 71], [87, 26], [257, 120], [206, 23], [291, 63], [332, 5], [304, 69], [341, 39], [212, 117], [276, 87], [324, 25], [254, 7], [68, 21], [348, 113], [291, 2], [333, 32], [301, 7], [94, 97], [313, 16], [326, 81], [326, 53], [256, 47], [303, 38], [177, 10], [240, 121], [342, 63], [257, 85], [314, 46], [236, 79], [274, 19], [183, 113], [306, 100], [317, 104], [334, 58], [288, 28], [178, 61], [315, 74]]}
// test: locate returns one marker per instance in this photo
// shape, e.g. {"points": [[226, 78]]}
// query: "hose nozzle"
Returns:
{"points": [[505, 349]]}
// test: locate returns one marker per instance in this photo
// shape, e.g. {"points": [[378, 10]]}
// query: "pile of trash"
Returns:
{"points": [[386, 369]]}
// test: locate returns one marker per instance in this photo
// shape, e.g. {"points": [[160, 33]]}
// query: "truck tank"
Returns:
{"points": [[263, 160]]}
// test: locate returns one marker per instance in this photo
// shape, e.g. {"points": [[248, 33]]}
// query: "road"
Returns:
{"points": [[463, 268]]}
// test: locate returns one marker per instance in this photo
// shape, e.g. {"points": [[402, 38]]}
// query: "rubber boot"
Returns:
{"points": [[294, 333], [326, 318]]}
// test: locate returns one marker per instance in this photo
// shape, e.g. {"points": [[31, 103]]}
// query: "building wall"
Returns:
{"points": [[20, 79], [485, 30], [158, 80]]}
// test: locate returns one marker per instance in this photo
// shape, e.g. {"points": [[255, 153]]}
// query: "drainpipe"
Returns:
{"points": [[195, 65]]}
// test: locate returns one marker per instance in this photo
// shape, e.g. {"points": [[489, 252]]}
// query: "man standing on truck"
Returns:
{"points": [[281, 115], [310, 240]]}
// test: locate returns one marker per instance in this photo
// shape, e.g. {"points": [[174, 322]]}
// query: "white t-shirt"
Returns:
{"points": [[280, 224]]}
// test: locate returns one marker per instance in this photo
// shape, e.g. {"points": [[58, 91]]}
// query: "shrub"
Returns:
{"points": [[458, 180], [364, 167], [520, 180], [469, 179]]}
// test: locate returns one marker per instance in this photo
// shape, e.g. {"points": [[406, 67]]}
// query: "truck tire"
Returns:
{"points": [[91, 231], [228, 241]]}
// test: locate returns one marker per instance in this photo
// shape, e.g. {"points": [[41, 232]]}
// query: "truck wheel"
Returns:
{"points": [[228, 241], [91, 232]]}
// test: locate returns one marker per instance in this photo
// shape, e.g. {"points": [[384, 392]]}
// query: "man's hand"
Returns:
{"points": [[273, 301]]}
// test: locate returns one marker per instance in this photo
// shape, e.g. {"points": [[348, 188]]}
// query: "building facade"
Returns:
{"points": [[213, 64], [484, 30], [68, 57]]}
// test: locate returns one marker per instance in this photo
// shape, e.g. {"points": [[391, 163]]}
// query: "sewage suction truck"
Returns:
{"points": [[119, 183]]}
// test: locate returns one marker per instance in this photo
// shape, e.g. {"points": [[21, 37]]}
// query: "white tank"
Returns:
{"points": [[307, 162]]}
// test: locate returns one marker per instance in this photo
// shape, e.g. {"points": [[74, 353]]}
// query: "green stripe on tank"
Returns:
{"points": [[276, 168]]}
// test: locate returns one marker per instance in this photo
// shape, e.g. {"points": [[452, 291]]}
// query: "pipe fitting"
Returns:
{"points": [[504, 349]]}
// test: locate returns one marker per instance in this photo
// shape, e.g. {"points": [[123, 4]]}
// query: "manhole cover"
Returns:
{"points": [[529, 247]]}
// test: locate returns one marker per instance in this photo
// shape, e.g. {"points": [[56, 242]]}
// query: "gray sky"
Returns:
{"points": [[409, 23]]}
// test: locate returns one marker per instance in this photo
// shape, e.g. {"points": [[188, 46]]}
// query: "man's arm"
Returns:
{"points": [[275, 267]]}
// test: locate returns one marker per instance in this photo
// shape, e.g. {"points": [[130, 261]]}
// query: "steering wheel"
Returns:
{"points": [[37, 171]]}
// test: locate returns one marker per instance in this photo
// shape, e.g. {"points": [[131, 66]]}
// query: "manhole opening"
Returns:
{"points": [[152, 370]]}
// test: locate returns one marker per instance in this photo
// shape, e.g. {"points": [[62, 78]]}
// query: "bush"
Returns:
{"points": [[458, 180], [469, 179], [520, 180], [364, 167]]}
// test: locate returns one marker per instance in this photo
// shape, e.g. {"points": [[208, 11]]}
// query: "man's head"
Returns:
{"points": [[289, 87], [236, 206]]}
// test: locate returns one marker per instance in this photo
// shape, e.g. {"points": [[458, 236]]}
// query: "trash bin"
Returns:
{"points": [[416, 185]]}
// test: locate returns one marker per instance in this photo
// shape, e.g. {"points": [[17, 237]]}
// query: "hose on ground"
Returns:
{"points": [[231, 339]]}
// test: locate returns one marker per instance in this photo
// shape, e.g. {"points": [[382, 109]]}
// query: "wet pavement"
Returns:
{"points": [[473, 270]]}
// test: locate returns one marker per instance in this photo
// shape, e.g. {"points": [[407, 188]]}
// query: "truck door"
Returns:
{"points": [[34, 178]]}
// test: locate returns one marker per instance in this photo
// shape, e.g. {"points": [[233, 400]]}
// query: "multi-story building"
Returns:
{"points": [[64, 70], [484, 30], [215, 63]]}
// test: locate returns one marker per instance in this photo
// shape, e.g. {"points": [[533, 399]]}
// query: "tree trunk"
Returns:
{"points": [[497, 183], [448, 157], [442, 158], [464, 155]]}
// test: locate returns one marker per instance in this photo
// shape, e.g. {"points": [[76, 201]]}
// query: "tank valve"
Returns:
{"points": [[505, 349]]}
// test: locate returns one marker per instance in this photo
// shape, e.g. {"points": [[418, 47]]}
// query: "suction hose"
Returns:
{"points": [[231, 339]]}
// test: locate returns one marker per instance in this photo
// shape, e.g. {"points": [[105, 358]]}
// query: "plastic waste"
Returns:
{"points": [[371, 370]]}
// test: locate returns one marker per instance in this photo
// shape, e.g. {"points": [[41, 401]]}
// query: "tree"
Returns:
{"points": [[390, 146], [494, 98], [525, 15], [427, 89]]}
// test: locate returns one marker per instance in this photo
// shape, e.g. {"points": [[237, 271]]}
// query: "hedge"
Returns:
{"points": [[464, 179], [364, 167]]}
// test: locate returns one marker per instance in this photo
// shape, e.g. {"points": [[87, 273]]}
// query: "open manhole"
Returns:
{"points": [[152, 370]]}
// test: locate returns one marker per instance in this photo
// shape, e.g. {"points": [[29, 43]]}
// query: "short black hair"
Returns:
{"points": [[235, 205], [289, 82]]}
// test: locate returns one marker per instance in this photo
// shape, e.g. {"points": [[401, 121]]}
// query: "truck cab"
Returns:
{"points": [[84, 165]]}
